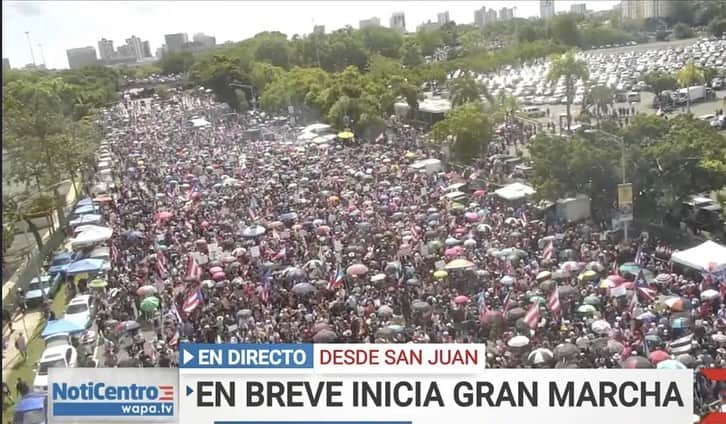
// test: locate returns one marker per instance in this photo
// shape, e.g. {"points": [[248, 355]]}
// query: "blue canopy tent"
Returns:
{"points": [[90, 218], [90, 266], [85, 209], [60, 326], [84, 202]]}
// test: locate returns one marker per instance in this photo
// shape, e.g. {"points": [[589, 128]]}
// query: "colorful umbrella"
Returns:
{"points": [[150, 304], [458, 264], [671, 364], [461, 300], [518, 341], [540, 356], [658, 356], [357, 270], [146, 290], [98, 284], [440, 274]]}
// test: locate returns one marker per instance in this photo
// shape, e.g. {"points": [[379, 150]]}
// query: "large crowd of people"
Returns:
{"points": [[218, 238]]}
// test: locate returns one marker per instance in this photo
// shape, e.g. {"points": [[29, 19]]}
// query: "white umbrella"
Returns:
{"points": [[507, 280], [600, 326], [710, 294], [540, 356], [518, 341]]}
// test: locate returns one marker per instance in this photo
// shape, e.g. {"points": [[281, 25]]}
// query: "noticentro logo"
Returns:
{"points": [[100, 399]]}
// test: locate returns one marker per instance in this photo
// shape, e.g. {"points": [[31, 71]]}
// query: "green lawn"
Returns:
{"points": [[24, 370]]}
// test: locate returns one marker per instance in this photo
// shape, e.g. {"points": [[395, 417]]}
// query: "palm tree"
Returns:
{"points": [[600, 98], [466, 89], [688, 76], [571, 69]]}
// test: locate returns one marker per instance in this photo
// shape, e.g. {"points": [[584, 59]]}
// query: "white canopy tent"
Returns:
{"points": [[515, 191], [706, 257], [90, 236], [199, 122]]}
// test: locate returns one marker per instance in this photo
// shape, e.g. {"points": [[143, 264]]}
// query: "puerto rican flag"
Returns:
{"points": [[643, 288], [640, 257], [192, 301], [336, 279], [553, 303], [380, 138], [483, 309], [114, 253], [507, 302], [161, 264], [548, 251], [281, 254], [193, 271], [531, 318], [266, 286]]}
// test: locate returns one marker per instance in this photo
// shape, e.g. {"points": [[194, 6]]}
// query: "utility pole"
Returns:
{"points": [[42, 56], [30, 45]]}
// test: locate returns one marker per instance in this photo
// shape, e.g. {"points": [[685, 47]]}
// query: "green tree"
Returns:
{"points": [[681, 31], [176, 63], [601, 98], [263, 74], [381, 40], [660, 81], [689, 75], [220, 73], [272, 48], [411, 55], [466, 89], [429, 40], [717, 27], [563, 29], [469, 130], [570, 69]]}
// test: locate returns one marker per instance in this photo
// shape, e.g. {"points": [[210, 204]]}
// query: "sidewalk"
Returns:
{"points": [[27, 323], [9, 285]]}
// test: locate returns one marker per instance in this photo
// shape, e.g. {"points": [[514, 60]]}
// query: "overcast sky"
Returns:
{"points": [[60, 25]]}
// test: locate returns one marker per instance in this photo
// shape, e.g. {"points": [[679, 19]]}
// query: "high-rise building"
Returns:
{"points": [[364, 23], [126, 52], [175, 42], [429, 25], [506, 13], [443, 18], [82, 56], [645, 9], [546, 9], [6, 64], [160, 51], [398, 21], [207, 41], [578, 9], [136, 46], [105, 49], [484, 17], [146, 48]]}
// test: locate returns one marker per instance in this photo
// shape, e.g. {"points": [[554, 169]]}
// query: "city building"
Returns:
{"points": [[645, 9], [135, 46], [443, 18], [207, 41], [429, 25], [147, 49], [578, 9], [160, 51], [364, 23], [506, 13], [82, 56], [319, 29], [175, 42], [105, 49], [484, 17], [546, 9], [6, 64], [125, 52], [398, 21]]}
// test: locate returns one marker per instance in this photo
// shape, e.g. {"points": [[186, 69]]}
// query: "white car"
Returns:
{"points": [[62, 356], [79, 310]]}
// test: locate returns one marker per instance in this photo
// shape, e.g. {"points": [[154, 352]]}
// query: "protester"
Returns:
{"points": [[222, 238]]}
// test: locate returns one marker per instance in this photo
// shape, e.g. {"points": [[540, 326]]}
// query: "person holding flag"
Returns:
{"points": [[336, 280]]}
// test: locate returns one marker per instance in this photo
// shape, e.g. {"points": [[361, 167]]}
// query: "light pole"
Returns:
{"points": [[32, 55], [621, 143]]}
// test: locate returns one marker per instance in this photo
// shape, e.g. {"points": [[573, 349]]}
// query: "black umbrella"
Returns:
{"points": [[515, 314], [566, 350]]}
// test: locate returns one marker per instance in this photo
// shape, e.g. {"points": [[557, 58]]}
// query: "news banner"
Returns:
{"points": [[364, 384]]}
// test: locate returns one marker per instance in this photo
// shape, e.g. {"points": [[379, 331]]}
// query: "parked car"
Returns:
{"points": [[42, 288], [533, 112], [32, 409], [63, 356], [79, 310], [60, 262]]}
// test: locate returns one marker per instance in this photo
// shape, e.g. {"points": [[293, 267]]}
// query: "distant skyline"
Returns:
{"points": [[61, 25]]}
